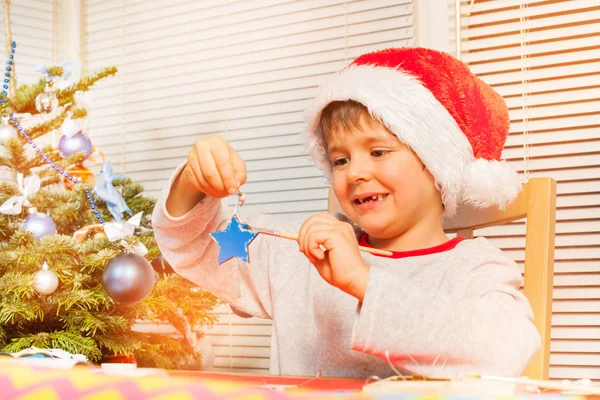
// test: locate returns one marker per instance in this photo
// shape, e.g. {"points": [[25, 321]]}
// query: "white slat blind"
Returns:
{"points": [[243, 69], [544, 58], [32, 28]]}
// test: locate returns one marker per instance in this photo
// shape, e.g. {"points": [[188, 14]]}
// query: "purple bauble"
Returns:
{"points": [[71, 145], [128, 278], [39, 224]]}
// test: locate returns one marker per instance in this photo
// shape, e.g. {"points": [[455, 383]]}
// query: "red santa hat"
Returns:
{"points": [[452, 120]]}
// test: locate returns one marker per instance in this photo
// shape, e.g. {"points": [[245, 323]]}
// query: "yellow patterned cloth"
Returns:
{"points": [[28, 382], [20, 381]]}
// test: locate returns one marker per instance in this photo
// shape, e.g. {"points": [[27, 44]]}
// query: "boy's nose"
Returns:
{"points": [[358, 170]]}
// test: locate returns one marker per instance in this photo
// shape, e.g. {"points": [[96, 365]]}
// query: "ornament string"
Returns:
{"points": [[239, 202], [392, 366], [279, 388], [346, 36], [40, 153], [124, 58], [524, 84]]}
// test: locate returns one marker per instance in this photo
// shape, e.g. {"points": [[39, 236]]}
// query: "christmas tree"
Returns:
{"points": [[74, 256]]}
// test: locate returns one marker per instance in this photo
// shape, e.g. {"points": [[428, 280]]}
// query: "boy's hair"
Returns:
{"points": [[341, 116]]}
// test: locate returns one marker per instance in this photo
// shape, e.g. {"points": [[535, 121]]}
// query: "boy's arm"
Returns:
{"points": [[485, 327], [186, 244], [181, 200]]}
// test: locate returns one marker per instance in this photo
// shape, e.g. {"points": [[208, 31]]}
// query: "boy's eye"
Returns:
{"points": [[339, 162], [379, 153]]}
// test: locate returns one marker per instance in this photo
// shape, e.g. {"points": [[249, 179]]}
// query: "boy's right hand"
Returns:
{"points": [[214, 168]]}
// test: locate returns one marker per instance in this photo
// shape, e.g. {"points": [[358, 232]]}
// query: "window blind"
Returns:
{"points": [[32, 28], [544, 58]]}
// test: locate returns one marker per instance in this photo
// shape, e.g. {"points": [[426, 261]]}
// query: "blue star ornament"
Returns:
{"points": [[233, 241]]}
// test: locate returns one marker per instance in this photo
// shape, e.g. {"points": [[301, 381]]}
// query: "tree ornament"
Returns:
{"points": [[7, 131], [81, 172], [47, 160], [27, 188], [46, 280], [128, 278], [69, 126], [71, 145], [39, 224], [162, 266], [114, 200], [233, 241], [46, 102]]}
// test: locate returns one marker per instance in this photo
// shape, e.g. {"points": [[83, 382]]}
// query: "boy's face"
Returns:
{"points": [[380, 183]]}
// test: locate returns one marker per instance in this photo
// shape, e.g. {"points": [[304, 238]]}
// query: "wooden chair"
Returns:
{"points": [[536, 203]]}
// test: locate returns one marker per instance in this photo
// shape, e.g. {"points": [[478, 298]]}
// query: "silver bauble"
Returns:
{"points": [[71, 145], [46, 101], [39, 224], [46, 281], [128, 278]]}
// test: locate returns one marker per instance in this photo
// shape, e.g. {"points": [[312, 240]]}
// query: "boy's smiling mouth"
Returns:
{"points": [[367, 201]]}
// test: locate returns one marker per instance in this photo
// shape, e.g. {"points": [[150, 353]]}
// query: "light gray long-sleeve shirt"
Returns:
{"points": [[453, 310]]}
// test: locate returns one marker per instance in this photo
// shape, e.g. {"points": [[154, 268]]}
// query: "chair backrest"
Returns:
{"points": [[537, 203]]}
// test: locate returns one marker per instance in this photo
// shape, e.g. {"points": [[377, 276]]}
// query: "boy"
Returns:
{"points": [[404, 135]]}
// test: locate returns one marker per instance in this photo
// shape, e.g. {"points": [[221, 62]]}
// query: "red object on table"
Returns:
{"points": [[304, 382], [122, 359]]}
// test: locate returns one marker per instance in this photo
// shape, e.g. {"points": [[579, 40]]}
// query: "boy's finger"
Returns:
{"points": [[302, 233], [192, 172], [327, 216], [312, 222], [224, 166], [204, 186], [210, 172], [194, 176], [318, 254], [315, 239], [239, 168]]}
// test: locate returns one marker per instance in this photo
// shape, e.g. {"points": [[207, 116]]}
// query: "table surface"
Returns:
{"points": [[20, 380], [305, 382], [27, 381]]}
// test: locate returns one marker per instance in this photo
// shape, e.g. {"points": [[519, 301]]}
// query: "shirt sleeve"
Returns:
{"points": [[484, 324], [186, 244]]}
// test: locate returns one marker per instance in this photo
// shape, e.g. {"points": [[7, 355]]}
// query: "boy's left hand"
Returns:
{"points": [[341, 265]]}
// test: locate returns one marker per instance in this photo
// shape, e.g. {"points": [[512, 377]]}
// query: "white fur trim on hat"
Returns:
{"points": [[487, 183], [410, 111]]}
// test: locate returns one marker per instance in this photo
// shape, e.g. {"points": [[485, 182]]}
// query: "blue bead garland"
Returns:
{"points": [[88, 193]]}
